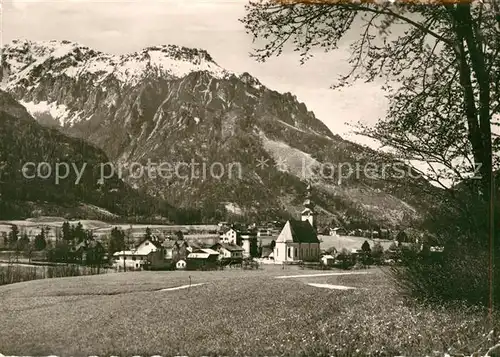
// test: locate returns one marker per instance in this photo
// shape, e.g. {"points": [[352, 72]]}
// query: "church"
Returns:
{"points": [[298, 240]]}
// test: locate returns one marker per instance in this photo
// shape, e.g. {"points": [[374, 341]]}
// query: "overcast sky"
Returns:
{"points": [[118, 26]]}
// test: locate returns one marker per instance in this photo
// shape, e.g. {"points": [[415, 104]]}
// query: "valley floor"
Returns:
{"points": [[269, 311]]}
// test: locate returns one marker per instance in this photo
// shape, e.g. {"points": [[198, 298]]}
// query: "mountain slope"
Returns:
{"points": [[176, 106], [25, 190]]}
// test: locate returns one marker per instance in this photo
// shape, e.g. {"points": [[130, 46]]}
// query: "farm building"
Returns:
{"points": [[229, 252], [202, 258]]}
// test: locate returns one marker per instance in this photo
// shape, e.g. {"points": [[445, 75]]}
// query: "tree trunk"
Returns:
{"points": [[478, 119]]}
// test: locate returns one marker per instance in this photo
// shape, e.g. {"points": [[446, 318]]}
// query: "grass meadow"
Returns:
{"points": [[235, 313]]}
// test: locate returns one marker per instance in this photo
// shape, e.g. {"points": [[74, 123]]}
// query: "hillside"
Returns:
{"points": [[23, 140], [175, 105]]}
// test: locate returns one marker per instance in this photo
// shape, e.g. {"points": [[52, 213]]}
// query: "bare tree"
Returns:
{"points": [[440, 64], [443, 59]]}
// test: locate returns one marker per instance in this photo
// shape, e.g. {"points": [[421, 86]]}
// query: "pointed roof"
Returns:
{"points": [[229, 247], [309, 203], [170, 243], [308, 211], [153, 241], [298, 232]]}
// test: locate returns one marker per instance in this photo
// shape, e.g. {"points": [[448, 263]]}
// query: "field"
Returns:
{"points": [[233, 313], [104, 226]]}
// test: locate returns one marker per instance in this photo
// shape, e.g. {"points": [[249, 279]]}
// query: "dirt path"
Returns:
{"points": [[322, 274]]}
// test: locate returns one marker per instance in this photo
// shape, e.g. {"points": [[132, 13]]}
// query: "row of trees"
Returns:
{"points": [[18, 242], [396, 253], [65, 248]]}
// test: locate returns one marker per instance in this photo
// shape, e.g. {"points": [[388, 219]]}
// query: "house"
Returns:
{"points": [[298, 240], [223, 224], [229, 252], [246, 239], [337, 231], [90, 252], [156, 261], [137, 258], [264, 233], [203, 258], [204, 253], [175, 249], [129, 260], [230, 235], [249, 243], [180, 264], [327, 260], [384, 233], [148, 245]]}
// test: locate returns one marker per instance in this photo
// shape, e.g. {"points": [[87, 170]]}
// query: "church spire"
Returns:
{"points": [[308, 203], [308, 214]]}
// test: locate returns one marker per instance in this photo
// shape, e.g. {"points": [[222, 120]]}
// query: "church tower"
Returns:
{"points": [[309, 214]]}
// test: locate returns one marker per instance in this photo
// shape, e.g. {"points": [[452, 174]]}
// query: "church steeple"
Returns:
{"points": [[309, 214]]}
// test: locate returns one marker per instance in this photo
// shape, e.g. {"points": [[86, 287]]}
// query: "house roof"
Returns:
{"points": [[266, 251], [298, 232], [172, 243], [210, 251], [230, 247], [227, 229], [155, 242], [86, 245], [250, 234], [198, 255], [198, 245], [203, 254], [127, 252], [79, 246]]}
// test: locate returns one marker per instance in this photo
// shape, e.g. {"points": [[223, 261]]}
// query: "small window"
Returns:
{"points": [[147, 243], [289, 252], [124, 258], [137, 265], [133, 258]]}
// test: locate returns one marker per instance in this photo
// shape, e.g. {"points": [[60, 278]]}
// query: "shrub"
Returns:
{"points": [[461, 271], [345, 259], [377, 253]]}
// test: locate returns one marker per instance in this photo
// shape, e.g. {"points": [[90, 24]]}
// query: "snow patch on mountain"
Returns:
{"points": [[233, 208], [290, 159], [59, 112]]}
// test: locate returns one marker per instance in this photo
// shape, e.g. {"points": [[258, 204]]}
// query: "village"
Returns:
{"points": [[294, 242]]}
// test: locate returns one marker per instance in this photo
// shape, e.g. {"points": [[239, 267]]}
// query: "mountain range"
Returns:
{"points": [[175, 105]]}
